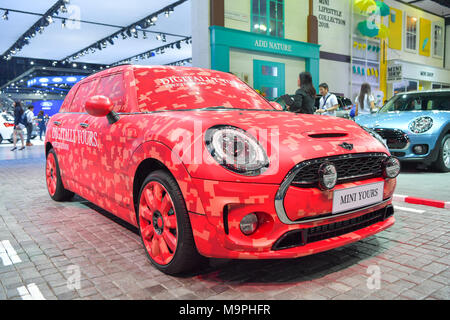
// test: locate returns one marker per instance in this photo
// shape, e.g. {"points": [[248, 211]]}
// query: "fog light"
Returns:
{"points": [[327, 176], [391, 168], [420, 149], [249, 224]]}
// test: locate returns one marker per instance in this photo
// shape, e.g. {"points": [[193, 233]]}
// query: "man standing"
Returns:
{"points": [[328, 103], [28, 117]]}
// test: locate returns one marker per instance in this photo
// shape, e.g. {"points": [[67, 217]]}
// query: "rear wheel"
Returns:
{"points": [[443, 161], [55, 186], [164, 225]]}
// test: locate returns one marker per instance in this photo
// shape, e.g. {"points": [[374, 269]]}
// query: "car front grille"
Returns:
{"points": [[349, 168], [302, 237], [395, 138]]}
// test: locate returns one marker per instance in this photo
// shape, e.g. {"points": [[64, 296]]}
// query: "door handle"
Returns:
{"points": [[57, 123], [84, 125]]}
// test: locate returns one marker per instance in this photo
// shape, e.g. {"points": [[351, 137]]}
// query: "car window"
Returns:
{"points": [[165, 88], [7, 117], [421, 102], [112, 86], [84, 92]]}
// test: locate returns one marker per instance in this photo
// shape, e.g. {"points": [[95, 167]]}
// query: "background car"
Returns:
{"points": [[345, 105], [6, 127], [416, 127]]}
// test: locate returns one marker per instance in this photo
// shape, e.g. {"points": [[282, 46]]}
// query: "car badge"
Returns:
{"points": [[347, 146]]}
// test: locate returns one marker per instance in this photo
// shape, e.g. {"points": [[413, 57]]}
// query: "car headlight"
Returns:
{"points": [[236, 150], [391, 168], [421, 125], [375, 135]]}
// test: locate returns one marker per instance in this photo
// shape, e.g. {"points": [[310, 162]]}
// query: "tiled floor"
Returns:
{"points": [[45, 244]]}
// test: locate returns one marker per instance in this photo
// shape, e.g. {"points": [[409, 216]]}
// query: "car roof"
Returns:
{"points": [[125, 67], [425, 91]]}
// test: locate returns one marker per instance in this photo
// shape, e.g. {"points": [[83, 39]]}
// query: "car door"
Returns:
{"points": [[113, 150], [75, 154]]}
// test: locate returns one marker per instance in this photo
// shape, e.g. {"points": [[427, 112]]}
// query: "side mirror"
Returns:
{"points": [[101, 106], [276, 105]]}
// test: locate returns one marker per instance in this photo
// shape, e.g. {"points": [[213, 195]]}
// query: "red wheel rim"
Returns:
{"points": [[158, 223], [51, 174]]}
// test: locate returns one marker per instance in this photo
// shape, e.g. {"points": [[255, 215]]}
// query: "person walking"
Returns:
{"points": [[365, 101], [18, 125], [42, 124], [28, 119], [304, 98], [328, 103]]}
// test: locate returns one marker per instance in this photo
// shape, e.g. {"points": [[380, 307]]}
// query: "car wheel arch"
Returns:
{"points": [[154, 155], [48, 147]]}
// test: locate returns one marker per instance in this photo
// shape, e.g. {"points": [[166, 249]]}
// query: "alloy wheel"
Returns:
{"points": [[51, 176], [158, 223]]}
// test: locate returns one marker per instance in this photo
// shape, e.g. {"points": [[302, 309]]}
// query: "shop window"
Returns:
{"points": [[436, 86], [438, 43], [411, 33], [412, 86], [268, 17], [269, 71]]}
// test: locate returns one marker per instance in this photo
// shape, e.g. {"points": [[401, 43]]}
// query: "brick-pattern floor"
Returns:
{"points": [[50, 239]]}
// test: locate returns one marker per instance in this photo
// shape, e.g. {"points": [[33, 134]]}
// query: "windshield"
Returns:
{"points": [[7, 117], [177, 88], [418, 102]]}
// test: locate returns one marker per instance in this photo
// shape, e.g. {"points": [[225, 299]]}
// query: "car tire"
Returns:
{"points": [[164, 225], [443, 162], [55, 186]]}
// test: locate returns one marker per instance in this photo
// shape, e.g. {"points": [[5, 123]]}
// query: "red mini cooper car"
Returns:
{"points": [[205, 166]]}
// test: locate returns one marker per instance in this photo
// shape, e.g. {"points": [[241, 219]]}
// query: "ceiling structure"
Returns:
{"points": [[87, 35], [437, 7]]}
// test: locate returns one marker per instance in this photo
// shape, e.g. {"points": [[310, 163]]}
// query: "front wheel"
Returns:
{"points": [[164, 225], [55, 186], [443, 162]]}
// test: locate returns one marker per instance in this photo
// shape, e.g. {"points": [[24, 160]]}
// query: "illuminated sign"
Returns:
{"points": [[44, 81]]}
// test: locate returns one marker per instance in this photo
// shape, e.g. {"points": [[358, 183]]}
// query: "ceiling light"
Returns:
{"points": [[63, 23], [178, 45], [145, 35], [49, 19], [111, 41], [74, 65], [154, 18], [123, 36], [32, 62], [128, 32], [5, 15], [158, 37]]}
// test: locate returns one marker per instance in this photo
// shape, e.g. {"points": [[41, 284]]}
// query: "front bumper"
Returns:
{"points": [[407, 153], [217, 234]]}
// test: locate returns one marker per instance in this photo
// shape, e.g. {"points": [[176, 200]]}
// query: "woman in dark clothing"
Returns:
{"points": [[304, 98], [42, 123], [18, 125]]}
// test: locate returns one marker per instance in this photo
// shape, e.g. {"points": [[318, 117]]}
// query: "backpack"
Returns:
{"points": [[24, 119]]}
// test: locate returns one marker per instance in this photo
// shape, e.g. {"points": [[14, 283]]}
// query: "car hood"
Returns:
{"points": [[399, 120], [288, 139]]}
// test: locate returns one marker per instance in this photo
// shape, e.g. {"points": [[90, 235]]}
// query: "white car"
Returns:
{"points": [[6, 127]]}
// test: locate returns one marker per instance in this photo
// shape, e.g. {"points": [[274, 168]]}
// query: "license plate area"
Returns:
{"points": [[357, 197]]}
